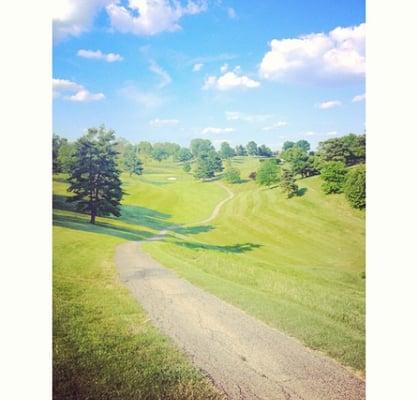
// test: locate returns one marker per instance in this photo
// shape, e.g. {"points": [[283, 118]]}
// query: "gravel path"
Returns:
{"points": [[243, 356]]}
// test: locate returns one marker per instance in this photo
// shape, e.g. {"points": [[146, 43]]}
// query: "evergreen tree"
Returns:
{"points": [[207, 165], [94, 176], [131, 161], [184, 154], [288, 182]]}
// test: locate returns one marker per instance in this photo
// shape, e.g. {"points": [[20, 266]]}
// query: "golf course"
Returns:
{"points": [[295, 264]]}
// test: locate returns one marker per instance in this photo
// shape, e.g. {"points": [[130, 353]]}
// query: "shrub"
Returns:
{"points": [[232, 175], [355, 186], [187, 167], [333, 174], [253, 175]]}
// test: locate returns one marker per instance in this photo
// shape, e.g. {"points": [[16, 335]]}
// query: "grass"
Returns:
{"points": [[104, 345], [297, 264]]}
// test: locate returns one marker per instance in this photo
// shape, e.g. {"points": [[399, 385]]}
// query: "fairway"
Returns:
{"points": [[296, 264]]}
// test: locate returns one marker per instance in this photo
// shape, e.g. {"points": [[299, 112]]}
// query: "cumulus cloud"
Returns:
{"points": [[317, 58], [230, 80], [69, 90], [74, 17], [160, 123], [150, 17], [99, 55], [164, 76], [197, 67], [359, 97], [275, 126], [329, 104], [216, 131], [239, 116]]}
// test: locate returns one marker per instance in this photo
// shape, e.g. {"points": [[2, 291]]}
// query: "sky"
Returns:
{"points": [[224, 70]]}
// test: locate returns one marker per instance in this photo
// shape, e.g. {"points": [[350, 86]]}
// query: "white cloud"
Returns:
{"points": [[238, 116], [230, 80], [318, 57], [150, 17], [216, 131], [69, 90], [231, 13], [159, 123], [99, 55], [275, 126], [330, 104], [224, 68], [165, 77], [148, 100], [74, 17], [197, 67], [360, 97]]}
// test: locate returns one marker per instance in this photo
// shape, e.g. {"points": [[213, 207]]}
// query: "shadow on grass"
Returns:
{"points": [[301, 191], [235, 248]]}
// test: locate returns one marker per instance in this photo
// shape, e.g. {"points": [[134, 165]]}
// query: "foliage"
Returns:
{"points": [[240, 150], [158, 152], [201, 146], [94, 176], [288, 181], [349, 149], [226, 151], [184, 154], [296, 158], [264, 151], [252, 148], [287, 145], [187, 167], [232, 175], [333, 174], [145, 149], [66, 155], [131, 162], [268, 173], [57, 142], [355, 186], [303, 144], [207, 165]]}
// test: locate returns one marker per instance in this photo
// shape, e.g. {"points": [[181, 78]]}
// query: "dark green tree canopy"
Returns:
{"points": [[207, 165], [355, 186], [94, 175], [66, 156], [201, 146], [252, 148], [288, 181], [303, 144], [184, 155], [264, 151], [349, 149], [333, 174], [287, 145]]}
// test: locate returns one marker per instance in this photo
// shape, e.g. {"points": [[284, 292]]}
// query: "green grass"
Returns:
{"points": [[104, 345]]}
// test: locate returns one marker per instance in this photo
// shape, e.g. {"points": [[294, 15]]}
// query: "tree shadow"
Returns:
{"points": [[235, 248], [192, 230], [301, 191], [144, 216]]}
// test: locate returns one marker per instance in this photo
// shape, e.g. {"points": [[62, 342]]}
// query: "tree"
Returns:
{"points": [[333, 174], [303, 144], [264, 151], [131, 161], [268, 173], [252, 148], [240, 150], [66, 155], [57, 142], [297, 159], [184, 155], [200, 146], [287, 145], [349, 149], [226, 151], [159, 152], [145, 149], [187, 167], [288, 181], [355, 186], [207, 165], [94, 176], [232, 175]]}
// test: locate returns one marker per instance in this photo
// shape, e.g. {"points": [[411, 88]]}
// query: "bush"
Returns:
{"points": [[333, 174], [232, 175], [187, 167], [355, 186], [253, 175]]}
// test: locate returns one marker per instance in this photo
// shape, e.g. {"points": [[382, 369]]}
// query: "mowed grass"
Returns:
{"points": [[104, 345], [297, 264]]}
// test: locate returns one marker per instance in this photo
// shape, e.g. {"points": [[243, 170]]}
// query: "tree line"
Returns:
{"points": [[94, 163]]}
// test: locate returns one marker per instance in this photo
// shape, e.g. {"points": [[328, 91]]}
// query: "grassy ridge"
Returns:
{"points": [[297, 264], [104, 346]]}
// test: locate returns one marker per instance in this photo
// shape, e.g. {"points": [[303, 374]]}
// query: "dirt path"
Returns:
{"points": [[243, 356]]}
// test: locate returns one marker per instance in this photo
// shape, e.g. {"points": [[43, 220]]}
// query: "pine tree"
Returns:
{"points": [[94, 176], [131, 161], [288, 182]]}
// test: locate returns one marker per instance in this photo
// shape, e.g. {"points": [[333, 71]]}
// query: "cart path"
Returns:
{"points": [[244, 357]]}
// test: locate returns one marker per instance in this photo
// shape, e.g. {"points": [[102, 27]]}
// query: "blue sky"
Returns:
{"points": [[160, 70]]}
